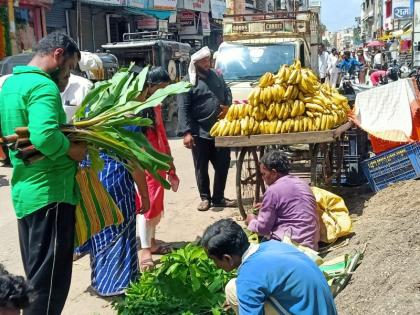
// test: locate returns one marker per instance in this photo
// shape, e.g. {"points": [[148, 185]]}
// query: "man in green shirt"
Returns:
{"points": [[44, 193]]}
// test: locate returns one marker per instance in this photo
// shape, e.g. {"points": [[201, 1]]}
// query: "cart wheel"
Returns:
{"points": [[248, 180]]}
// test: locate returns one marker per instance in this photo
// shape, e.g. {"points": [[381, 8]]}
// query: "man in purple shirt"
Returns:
{"points": [[288, 206]]}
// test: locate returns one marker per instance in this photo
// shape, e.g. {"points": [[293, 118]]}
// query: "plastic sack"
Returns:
{"points": [[334, 216]]}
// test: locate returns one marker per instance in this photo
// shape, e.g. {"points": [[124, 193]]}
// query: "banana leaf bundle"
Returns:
{"points": [[102, 121]]}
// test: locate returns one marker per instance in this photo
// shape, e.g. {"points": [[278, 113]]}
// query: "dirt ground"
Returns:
{"points": [[388, 279], [386, 282]]}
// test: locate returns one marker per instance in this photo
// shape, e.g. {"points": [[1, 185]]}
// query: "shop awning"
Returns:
{"points": [[159, 14]]}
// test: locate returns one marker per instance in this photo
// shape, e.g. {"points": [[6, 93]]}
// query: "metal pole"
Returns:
{"points": [[12, 26]]}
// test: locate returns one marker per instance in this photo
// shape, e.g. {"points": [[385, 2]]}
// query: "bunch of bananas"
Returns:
{"points": [[292, 100]]}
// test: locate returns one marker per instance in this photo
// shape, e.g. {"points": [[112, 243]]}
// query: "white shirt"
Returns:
{"points": [[73, 95], [332, 64], [323, 64], [3, 79], [377, 60]]}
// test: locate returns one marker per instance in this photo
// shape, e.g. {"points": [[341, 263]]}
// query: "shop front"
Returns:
{"points": [[29, 25], [194, 22]]}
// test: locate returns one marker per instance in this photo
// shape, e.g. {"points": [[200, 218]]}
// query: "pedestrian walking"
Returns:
{"points": [[322, 62], [332, 70], [44, 193], [157, 78], [378, 60], [199, 110]]}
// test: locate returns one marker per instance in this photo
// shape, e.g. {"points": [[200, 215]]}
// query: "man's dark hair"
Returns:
{"points": [[158, 75], [225, 237], [14, 290], [347, 54], [276, 160], [57, 40]]}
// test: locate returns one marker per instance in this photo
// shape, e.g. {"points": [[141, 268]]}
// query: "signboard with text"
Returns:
{"points": [[111, 2], [402, 9], [186, 18], [165, 4], [146, 22], [218, 8], [197, 5], [205, 23], [142, 4]]}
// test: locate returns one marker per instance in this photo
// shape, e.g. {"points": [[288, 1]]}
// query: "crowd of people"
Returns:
{"points": [[45, 195], [368, 65]]}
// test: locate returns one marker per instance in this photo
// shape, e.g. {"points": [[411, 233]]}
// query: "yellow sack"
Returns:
{"points": [[334, 216]]}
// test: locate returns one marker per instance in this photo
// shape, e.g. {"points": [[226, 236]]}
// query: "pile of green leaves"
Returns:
{"points": [[186, 283], [106, 112]]}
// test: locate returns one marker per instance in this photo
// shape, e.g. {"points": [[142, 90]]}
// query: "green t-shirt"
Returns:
{"points": [[30, 98]]}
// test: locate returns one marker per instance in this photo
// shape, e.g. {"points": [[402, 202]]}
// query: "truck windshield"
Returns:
{"points": [[245, 62]]}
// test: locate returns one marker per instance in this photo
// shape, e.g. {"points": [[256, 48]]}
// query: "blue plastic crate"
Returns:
{"points": [[402, 163]]}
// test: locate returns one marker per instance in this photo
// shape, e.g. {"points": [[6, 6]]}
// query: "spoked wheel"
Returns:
{"points": [[248, 180]]}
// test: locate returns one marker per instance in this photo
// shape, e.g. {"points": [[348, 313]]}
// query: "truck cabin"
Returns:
{"points": [[258, 43]]}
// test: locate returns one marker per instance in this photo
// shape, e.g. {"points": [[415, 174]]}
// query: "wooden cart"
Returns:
{"points": [[249, 183]]}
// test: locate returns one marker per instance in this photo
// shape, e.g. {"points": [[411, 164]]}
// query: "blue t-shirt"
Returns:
{"points": [[282, 272]]}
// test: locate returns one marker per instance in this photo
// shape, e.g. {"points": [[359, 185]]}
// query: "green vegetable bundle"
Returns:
{"points": [[186, 283], [108, 109]]}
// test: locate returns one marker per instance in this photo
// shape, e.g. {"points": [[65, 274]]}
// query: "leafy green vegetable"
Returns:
{"points": [[186, 283]]}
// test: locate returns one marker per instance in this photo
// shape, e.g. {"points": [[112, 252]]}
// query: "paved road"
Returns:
{"points": [[181, 223]]}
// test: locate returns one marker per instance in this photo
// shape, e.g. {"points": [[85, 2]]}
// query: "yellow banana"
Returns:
{"points": [[226, 129], [273, 125], [324, 120], [237, 131], [278, 126], [314, 107], [232, 126], [256, 128], [257, 94], [289, 92], [310, 122], [251, 123], [295, 109], [317, 123], [267, 127], [282, 72], [302, 124], [215, 129], [293, 76], [309, 114]]}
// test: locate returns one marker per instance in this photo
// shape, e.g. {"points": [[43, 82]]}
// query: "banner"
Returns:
{"points": [[142, 4], [165, 4], [205, 23], [218, 8], [402, 9], [186, 18], [197, 5], [146, 22], [110, 2]]}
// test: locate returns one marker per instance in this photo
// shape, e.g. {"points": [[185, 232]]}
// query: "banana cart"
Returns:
{"points": [[324, 154]]}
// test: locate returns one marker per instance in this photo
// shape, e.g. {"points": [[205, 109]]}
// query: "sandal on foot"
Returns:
{"points": [[147, 265], [162, 250]]}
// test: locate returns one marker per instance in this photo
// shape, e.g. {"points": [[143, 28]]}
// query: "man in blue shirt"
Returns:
{"points": [[349, 64], [273, 277]]}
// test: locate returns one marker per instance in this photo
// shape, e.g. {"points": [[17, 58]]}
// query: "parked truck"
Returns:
{"points": [[258, 43]]}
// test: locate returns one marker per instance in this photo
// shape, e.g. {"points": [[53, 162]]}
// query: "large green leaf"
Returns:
{"points": [[135, 88], [92, 97]]}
